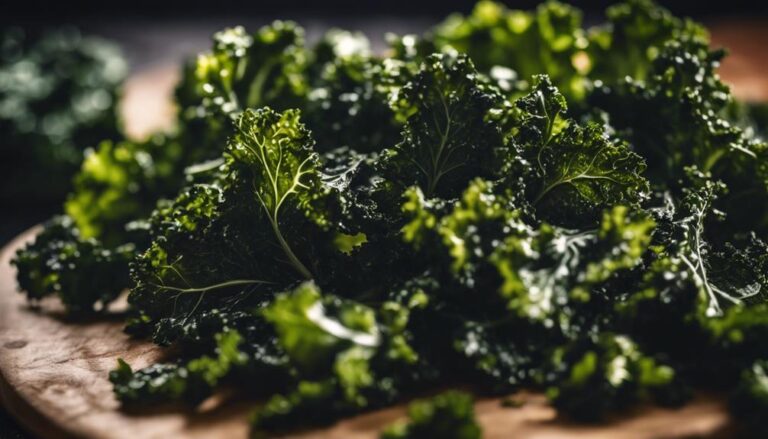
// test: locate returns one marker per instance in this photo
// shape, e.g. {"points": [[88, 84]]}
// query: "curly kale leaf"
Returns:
{"points": [[58, 96], [181, 273], [623, 236], [635, 33], [80, 271], [547, 270], [750, 399], [347, 356], [277, 150], [310, 336], [249, 71], [270, 212], [547, 40], [449, 415], [676, 118], [730, 273], [541, 112], [468, 233], [120, 182], [594, 377], [349, 104], [447, 139], [192, 381], [487, 244], [114, 191], [582, 171], [156, 383], [577, 171]]}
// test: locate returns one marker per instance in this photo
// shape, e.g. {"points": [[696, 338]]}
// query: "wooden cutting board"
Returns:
{"points": [[53, 369]]}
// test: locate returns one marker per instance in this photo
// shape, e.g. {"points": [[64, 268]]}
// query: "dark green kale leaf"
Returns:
{"points": [[750, 399], [592, 377], [349, 104], [718, 282], [507, 286], [447, 138], [582, 171], [349, 101], [677, 118], [464, 236], [277, 151], [699, 302], [58, 96], [160, 382], [80, 271], [270, 212], [116, 188], [548, 272], [192, 381], [577, 171], [332, 343], [347, 356], [449, 415], [485, 244]]}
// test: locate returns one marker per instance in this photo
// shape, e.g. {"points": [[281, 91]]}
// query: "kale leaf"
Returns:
{"points": [[448, 415]]}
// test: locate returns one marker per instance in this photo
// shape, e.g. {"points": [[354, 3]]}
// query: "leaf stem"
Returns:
{"points": [[295, 262], [230, 283]]}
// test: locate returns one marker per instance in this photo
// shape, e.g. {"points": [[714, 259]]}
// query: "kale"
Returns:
{"points": [[119, 183], [578, 170], [548, 40], [595, 376], [446, 138], [58, 96], [507, 201], [79, 270], [749, 400], [633, 36], [103, 228], [246, 71], [448, 415], [193, 380], [349, 105]]}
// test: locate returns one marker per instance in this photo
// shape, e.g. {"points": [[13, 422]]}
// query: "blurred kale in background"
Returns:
{"points": [[58, 97]]}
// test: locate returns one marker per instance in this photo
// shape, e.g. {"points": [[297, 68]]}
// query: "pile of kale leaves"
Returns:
{"points": [[508, 201], [58, 97]]}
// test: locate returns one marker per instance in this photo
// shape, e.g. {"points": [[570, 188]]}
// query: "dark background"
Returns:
{"points": [[42, 11], [154, 31]]}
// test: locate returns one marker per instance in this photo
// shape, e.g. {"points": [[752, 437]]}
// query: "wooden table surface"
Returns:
{"points": [[53, 371]]}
